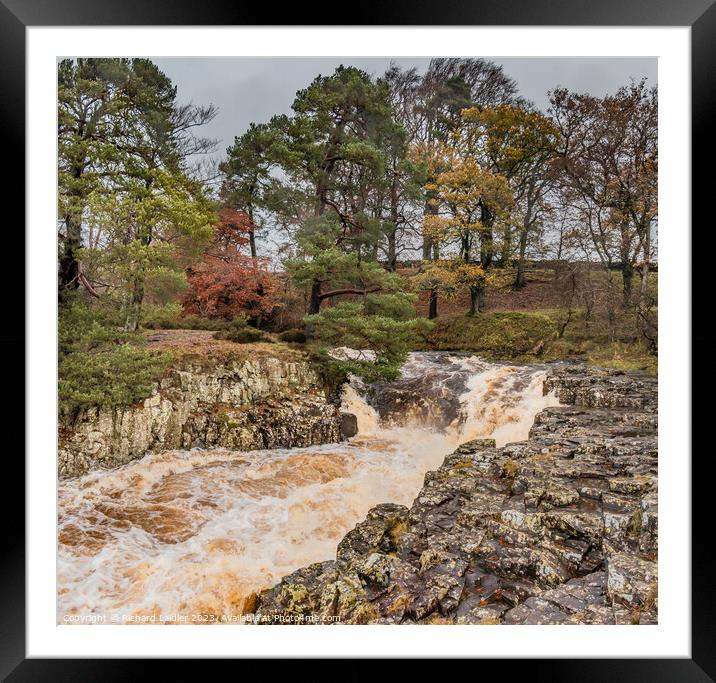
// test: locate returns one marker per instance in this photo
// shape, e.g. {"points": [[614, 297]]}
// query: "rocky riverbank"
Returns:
{"points": [[242, 404], [559, 529]]}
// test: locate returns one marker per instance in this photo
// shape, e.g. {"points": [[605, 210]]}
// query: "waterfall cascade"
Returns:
{"points": [[189, 536]]}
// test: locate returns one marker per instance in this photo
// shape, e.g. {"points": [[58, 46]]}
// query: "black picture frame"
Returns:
{"points": [[700, 15]]}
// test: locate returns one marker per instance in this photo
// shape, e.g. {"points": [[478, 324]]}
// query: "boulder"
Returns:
{"points": [[348, 425]]}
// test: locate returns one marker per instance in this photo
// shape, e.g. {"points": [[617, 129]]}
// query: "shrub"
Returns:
{"points": [[82, 328], [294, 335], [494, 335], [227, 282], [346, 324], [240, 332], [107, 378], [161, 317], [98, 364], [396, 305], [169, 317], [332, 372], [248, 335]]}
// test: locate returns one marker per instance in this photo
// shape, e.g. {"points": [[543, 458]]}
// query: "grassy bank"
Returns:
{"points": [[102, 366], [499, 335], [534, 336]]}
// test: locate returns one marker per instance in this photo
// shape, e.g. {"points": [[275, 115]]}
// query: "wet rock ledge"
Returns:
{"points": [[559, 529]]}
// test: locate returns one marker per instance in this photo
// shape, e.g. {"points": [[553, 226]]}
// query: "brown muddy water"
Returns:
{"points": [[190, 536]]}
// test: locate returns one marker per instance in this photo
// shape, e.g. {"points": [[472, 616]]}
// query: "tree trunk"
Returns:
{"points": [[144, 235], [481, 297], [474, 300], [627, 276], [486, 246], [486, 250], [506, 253], [520, 277], [643, 288], [373, 253], [433, 304], [69, 266], [135, 306], [252, 247], [431, 251], [611, 313], [392, 235], [626, 266], [427, 248], [392, 252], [645, 268], [69, 269], [648, 328], [430, 209], [524, 231], [314, 304], [255, 261]]}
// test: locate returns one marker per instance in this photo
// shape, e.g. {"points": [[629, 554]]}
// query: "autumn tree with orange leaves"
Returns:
{"points": [[228, 282]]}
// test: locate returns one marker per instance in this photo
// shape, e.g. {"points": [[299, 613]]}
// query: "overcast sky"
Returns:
{"points": [[247, 89]]}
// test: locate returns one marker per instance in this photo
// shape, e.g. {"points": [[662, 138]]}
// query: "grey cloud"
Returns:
{"points": [[247, 89]]}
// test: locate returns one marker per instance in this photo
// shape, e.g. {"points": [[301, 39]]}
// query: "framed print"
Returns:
{"points": [[357, 327]]}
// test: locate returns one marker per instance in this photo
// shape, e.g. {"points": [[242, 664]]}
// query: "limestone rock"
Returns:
{"points": [[559, 529], [266, 402]]}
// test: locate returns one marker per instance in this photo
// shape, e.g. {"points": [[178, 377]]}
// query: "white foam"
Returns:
{"points": [[187, 532]]}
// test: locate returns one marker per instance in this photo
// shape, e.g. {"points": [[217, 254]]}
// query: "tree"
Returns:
{"points": [[231, 288], [93, 97], [469, 197], [145, 227], [431, 112], [609, 155], [331, 145], [405, 170], [449, 277], [247, 173], [371, 326], [330, 271], [396, 191], [521, 145], [227, 282], [124, 179], [335, 123]]}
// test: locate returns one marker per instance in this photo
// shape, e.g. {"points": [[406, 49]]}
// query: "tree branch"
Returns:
{"points": [[347, 290]]}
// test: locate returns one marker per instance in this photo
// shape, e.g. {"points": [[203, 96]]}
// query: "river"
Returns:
{"points": [[190, 536]]}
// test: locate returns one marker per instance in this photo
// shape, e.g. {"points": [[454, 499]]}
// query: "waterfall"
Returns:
{"points": [[189, 536], [459, 397]]}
